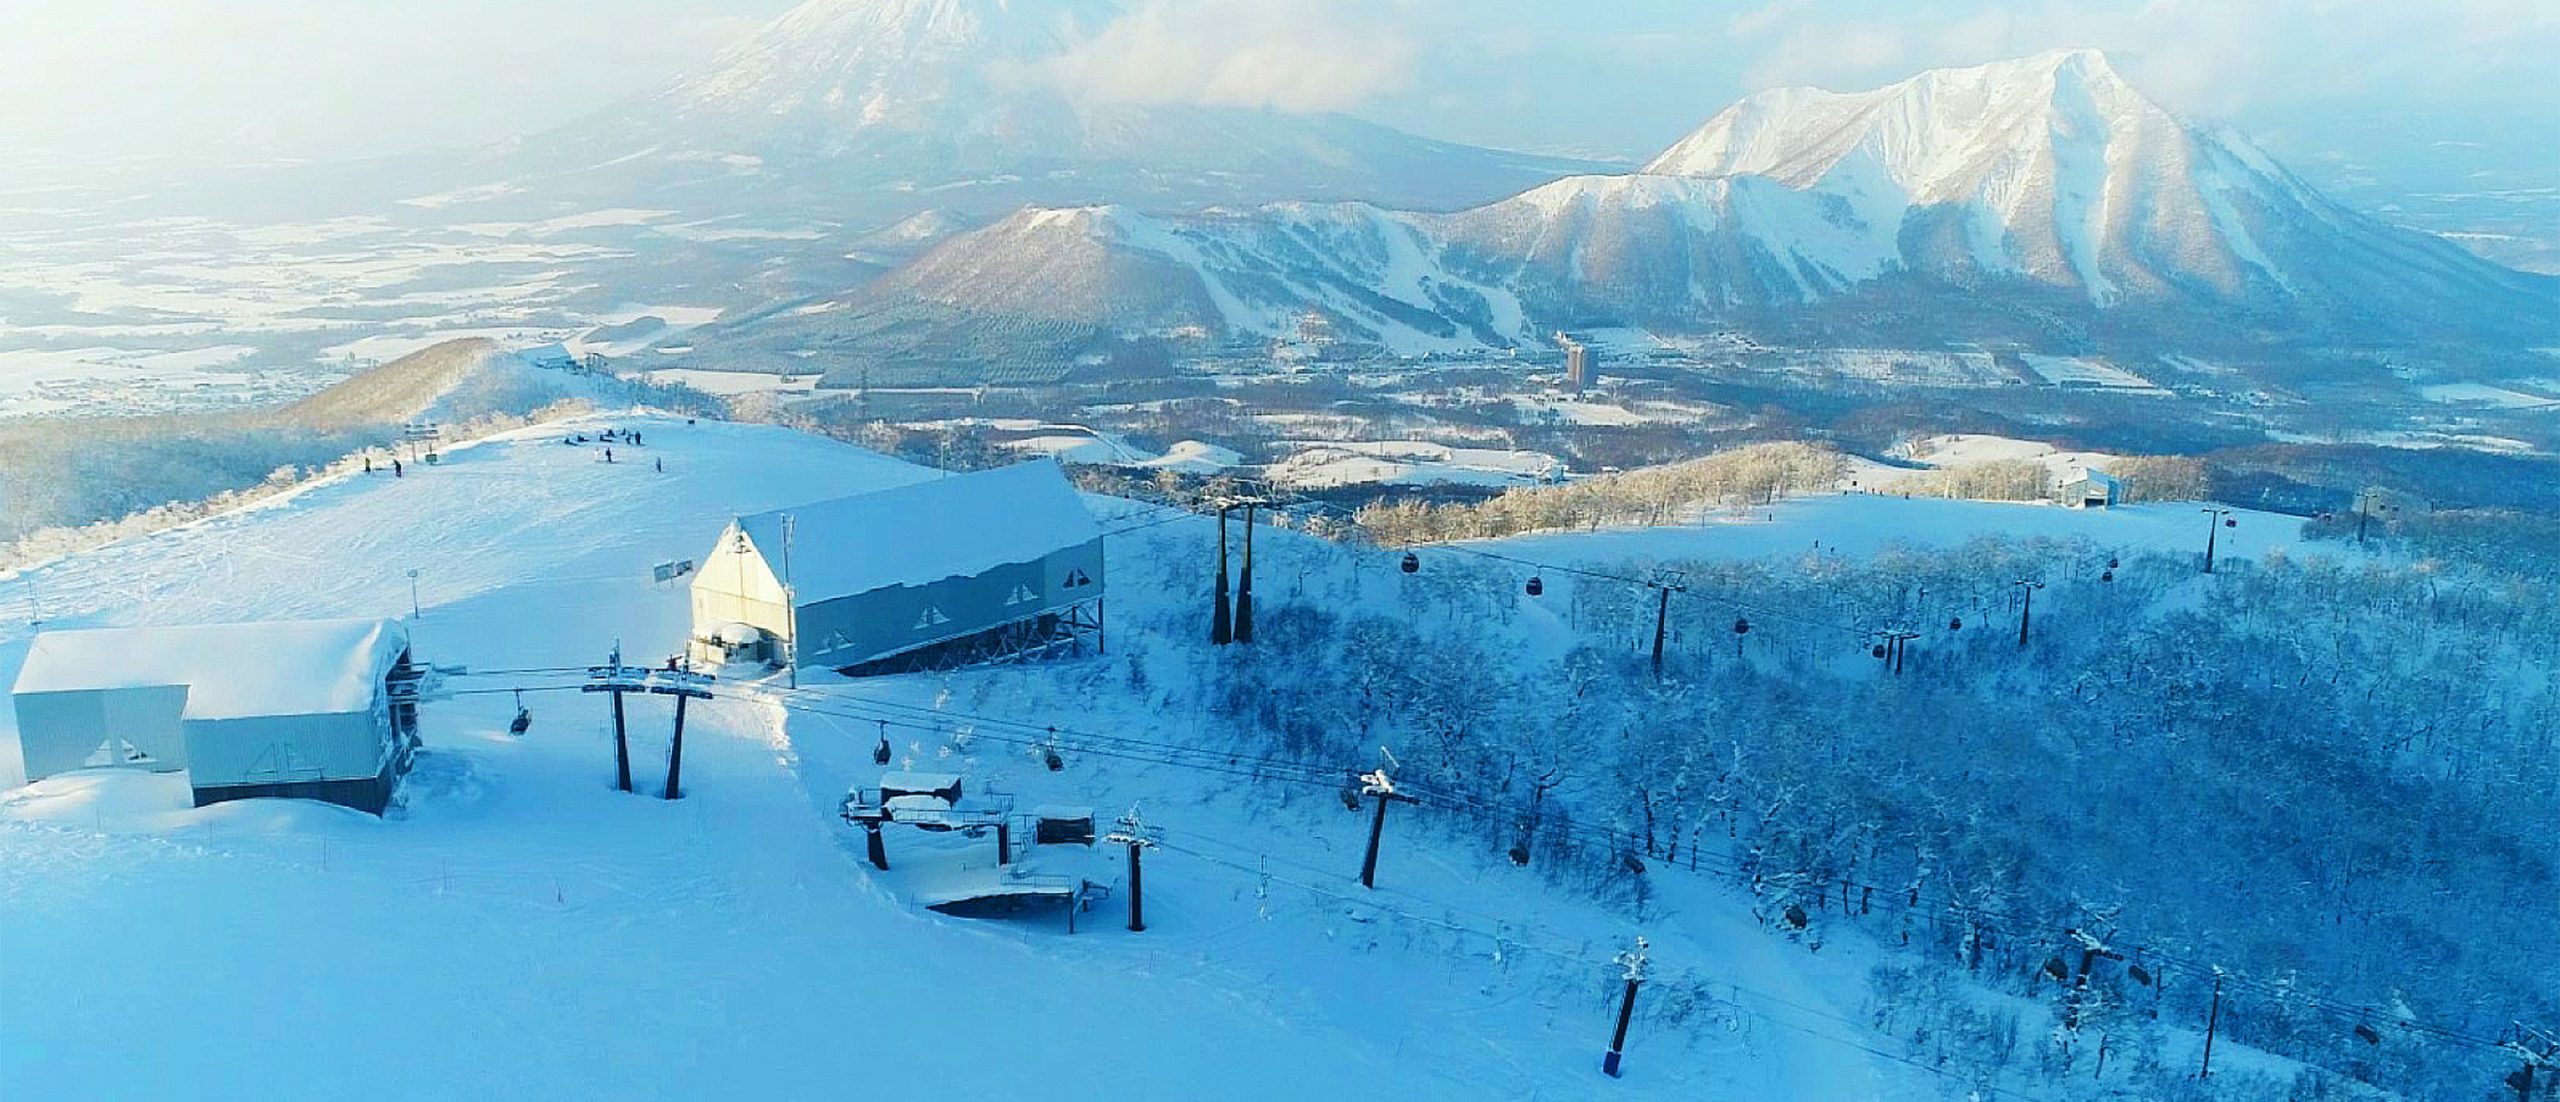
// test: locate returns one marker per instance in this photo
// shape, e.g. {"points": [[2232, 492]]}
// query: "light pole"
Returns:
{"points": [[1635, 965], [2366, 504], [2220, 519], [1665, 584], [2026, 610]]}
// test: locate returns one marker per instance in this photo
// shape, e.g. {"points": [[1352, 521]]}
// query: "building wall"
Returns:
{"points": [[58, 731], [367, 794], [288, 749], [884, 622], [735, 585]]}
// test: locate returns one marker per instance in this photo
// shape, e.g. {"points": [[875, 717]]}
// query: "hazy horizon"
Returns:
{"points": [[299, 79]]}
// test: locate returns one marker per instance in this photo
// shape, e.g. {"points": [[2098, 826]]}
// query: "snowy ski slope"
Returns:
{"points": [[522, 930]]}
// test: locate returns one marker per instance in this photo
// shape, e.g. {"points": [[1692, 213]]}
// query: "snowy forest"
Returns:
{"points": [[2331, 776]]}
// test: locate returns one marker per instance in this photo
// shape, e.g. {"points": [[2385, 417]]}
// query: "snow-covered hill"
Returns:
{"points": [[555, 937], [551, 936], [2031, 199]]}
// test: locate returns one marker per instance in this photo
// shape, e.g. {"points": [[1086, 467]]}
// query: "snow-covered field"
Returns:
{"points": [[520, 929], [1965, 448], [2083, 371], [2482, 394], [1327, 465], [105, 314], [733, 383], [37, 381], [1863, 524], [1895, 365]]}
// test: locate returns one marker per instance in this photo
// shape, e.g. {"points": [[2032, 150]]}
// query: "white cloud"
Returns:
{"points": [[1289, 55]]}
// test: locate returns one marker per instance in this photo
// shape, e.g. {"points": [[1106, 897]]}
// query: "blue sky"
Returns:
{"points": [[2351, 79]]}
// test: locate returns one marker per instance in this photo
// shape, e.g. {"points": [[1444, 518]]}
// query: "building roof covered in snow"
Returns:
{"points": [[231, 671], [924, 532], [2092, 476], [556, 356]]}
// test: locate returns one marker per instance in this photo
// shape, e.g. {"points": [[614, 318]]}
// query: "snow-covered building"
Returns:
{"points": [[946, 572], [2087, 488], [323, 710], [552, 357]]}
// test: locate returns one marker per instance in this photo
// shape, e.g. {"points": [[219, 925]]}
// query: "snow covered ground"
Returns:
{"points": [[2083, 371], [35, 381], [113, 314], [1327, 465], [732, 383], [1861, 524], [2482, 394], [1964, 448], [520, 929]]}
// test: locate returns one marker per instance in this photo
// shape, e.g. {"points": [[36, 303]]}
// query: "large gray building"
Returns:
{"points": [[322, 710], [944, 572]]}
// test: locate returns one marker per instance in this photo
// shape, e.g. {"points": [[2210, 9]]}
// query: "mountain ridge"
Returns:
{"points": [[2043, 195], [875, 110]]}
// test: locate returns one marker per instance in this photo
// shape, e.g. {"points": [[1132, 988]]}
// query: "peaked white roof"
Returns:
{"points": [[924, 532], [2091, 474], [231, 671]]}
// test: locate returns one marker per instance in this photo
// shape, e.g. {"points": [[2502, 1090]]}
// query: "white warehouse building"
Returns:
{"points": [[323, 710], [945, 572]]}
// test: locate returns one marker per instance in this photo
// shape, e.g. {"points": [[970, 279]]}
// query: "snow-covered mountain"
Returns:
{"points": [[877, 109], [2014, 200], [2051, 169], [1038, 295]]}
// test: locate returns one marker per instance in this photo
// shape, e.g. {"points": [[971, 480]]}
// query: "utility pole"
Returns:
{"points": [[2539, 1051], [2212, 1022], [1635, 963], [1221, 629], [616, 678], [790, 607], [1666, 583], [875, 849], [1381, 789], [1244, 582], [685, 686], [2220, 519], [2091, 948], [2368, 503], [1895, 645], [1135, 834], [2026, 610]]}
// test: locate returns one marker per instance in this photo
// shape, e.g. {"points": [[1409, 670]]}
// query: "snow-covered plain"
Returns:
{"points": [[520, 929]]}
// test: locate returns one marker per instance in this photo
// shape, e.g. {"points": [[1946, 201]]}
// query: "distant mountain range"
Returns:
{"points": [[868, 111], [2033, 201]]}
